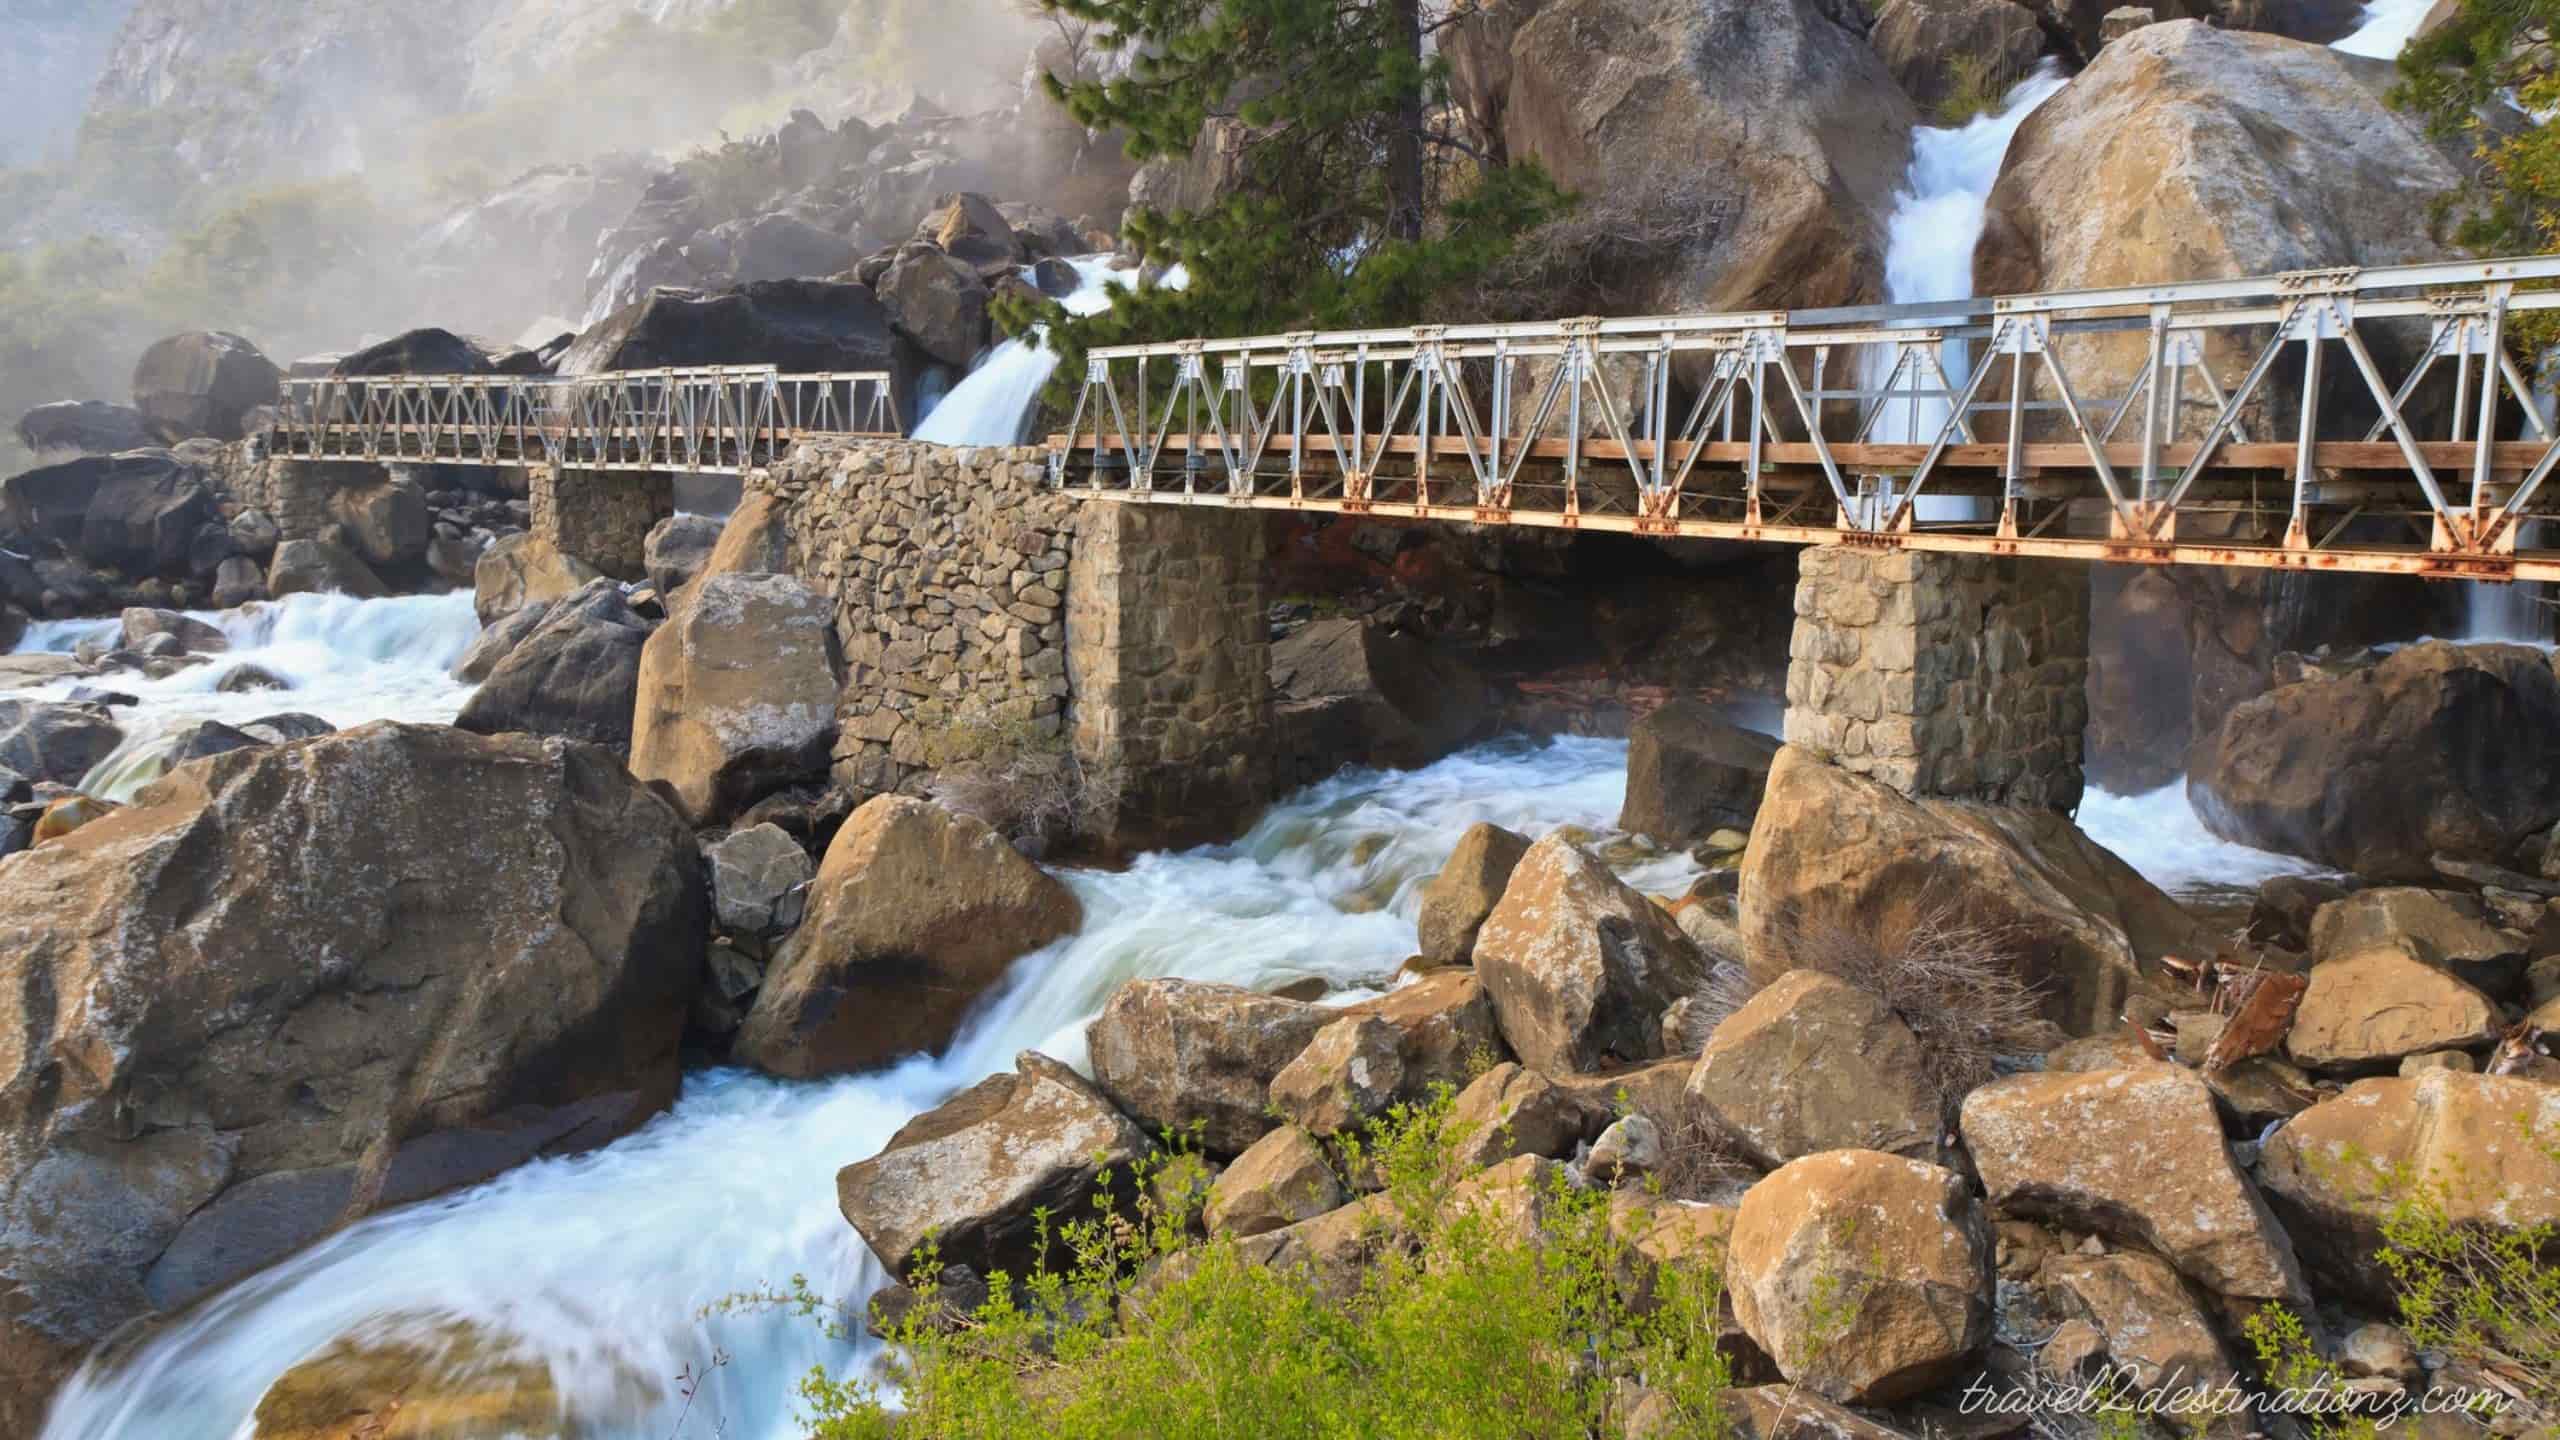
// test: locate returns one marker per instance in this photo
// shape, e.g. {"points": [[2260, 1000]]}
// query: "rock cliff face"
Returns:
{"points": [[54, 51]]}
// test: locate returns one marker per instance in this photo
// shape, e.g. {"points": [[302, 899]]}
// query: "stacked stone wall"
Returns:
{"points": [[1943, 675], [948, 571], [602, 517]]}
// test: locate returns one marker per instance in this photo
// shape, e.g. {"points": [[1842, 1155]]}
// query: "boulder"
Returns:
{"points": [[143, 514], [677, 548], [289, 986], [1838, 853], [1348, 1074], [1941, 50], [2177, 153], [2429, 752], [803, 327], [970, 1174], [1389, 698], [1691, 772], [2142, 1314], [2449, 930], [2369, 1008], [2137, 1154], [1447, 1024], [424, 351], [784, 247], [85, 427], [1812, 1063], [937, 301], [202, 384], [50, 501], [1629, 1152], [428, 1376], [973, 230], [1456, 901], [2480, 1143], [386, 522], [208, 738], [1866, 1276], [754, 540], [321, 567], [497, 638], [52, 742], [1579, 965], [576, 675], [1611, 97], [759, 881], [1279, 1180], [914, 914], [287, 727], [1510, 1110], [140, 623], [737, 694], [238, 581], [1178, 1054], [521, 569]]}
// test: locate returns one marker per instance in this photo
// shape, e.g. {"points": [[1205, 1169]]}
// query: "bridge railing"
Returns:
{"points": [[717, 418], [1962, 424]]}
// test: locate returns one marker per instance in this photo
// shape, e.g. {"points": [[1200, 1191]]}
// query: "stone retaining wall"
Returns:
{"points": [[1943, 675]]}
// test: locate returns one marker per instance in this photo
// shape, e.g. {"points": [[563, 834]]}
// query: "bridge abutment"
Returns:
{"points": [[602, 517], [1962, 676]]}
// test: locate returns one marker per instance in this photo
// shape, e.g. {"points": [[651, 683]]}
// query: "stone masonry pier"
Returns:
{"points": [[1962, 676]]}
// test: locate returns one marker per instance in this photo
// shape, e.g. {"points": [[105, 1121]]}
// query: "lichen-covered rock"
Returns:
{"points": [[2479, 1142], [2142, 1313], [1456, 901], [2452, 931], [55, 741], [1511, 1110], [2374, 1006], [521, 569], [1279, 1180], [1350, 1072], [2138, 1154], [737, 694], [759, 880], [574, 675], [679, 546], [1866, 1276], [1448, 1026], [1813, 1063], [1179, 1054], [969, 1173], [1580, 966], [916, 912]]}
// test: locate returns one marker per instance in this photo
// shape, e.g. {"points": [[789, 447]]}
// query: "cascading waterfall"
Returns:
{"points": [[1929, 245], [349, 662], [993, 404], [2386, 28], [601, 1264]]}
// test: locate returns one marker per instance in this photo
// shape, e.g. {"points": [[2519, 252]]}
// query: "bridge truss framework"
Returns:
{"points": [[1959, 426]]}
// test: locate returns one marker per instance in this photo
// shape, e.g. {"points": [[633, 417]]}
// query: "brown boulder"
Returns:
{"points": [[1866, 1276], [321, 567], [1580, 966], [521, 569], [2149, 1323], [1810, 1064], [937, 301], [969, 1174], [1179, 1054], [1350, 1072], [413, 1379], [737, 695], [1612, 96], [1934, 46], [1456, 901], [2429, 752], [2374, 1006], [1840, 853], [474, 951], [1448, 1027], [573, 675], [2137, 1154], [1389, 698], [916, 912], [756, 540], [1512, 1111], [2480, 1143], [2455, 932], [1691, 772], [1279, 1180]]}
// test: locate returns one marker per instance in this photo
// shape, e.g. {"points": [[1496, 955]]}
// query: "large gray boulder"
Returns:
{"points": [[142, 514], [937, 301], [55, 741], [1691, 772], [677, 549], [971, 1175], [85, 427], [202, 385], [289, 986], [321, 567], [576, 675]]}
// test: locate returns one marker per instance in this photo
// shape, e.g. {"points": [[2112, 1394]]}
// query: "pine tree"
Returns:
{"points": [[2471, 76], [1353, 201]]}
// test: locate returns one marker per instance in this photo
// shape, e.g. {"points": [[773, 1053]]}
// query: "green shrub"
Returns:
{"points": [[1462, 1327]]}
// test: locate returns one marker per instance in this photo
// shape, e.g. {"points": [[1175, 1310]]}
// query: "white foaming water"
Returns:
{"points": [[350, 662], [601, 1264], [991, 405], [1936, 223], [2158, 834], [2386, 28]]}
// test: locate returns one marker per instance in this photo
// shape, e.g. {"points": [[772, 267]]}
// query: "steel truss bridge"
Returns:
{"points": [[2256, 427], [717, 420]]}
